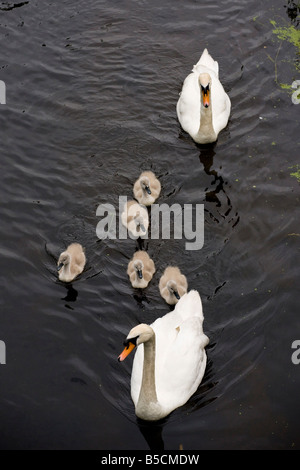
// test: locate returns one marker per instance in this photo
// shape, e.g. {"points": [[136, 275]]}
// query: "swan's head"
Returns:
{"points": [[63, 260], [145, 184], [139, 334], [205, 85], [138, 266], [173, 289]]}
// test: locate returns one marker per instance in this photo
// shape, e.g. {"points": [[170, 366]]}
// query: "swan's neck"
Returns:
{"points": [[147, 406], [67, 269], [66, 273], [206, 131]]}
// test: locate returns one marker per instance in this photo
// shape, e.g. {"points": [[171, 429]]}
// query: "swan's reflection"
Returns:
{"points": [[218, 195], [293, 11], [152, 433], [207, 158]]}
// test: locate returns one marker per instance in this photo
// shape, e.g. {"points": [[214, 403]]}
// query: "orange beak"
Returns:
{"points": [[126, 351], [205, 96]]}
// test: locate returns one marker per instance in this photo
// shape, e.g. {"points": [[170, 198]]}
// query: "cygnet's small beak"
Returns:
{"points": [[60, 266], [176, 294], [148, 189], [140, 273]]}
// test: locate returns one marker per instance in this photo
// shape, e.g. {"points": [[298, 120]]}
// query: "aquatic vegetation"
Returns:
{"points": [[291, 35], [287, 33], [296, 174]]}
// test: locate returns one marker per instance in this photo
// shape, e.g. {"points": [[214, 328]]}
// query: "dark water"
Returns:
{"points": [[91, 91]]}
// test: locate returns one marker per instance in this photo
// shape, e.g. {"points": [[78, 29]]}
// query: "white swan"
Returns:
{"points": [[147, 188], [172, 285], [169, 366], [140, 269], [136, 218], [71, 262], [203, 107]]}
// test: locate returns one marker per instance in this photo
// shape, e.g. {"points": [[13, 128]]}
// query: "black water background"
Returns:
{"points": [[91, 95]]}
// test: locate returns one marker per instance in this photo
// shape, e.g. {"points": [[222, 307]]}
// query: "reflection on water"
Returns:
{"points": [[71, 294], [206, 157], [140, 297], [293, 11], [10, 6], [152, 433]]}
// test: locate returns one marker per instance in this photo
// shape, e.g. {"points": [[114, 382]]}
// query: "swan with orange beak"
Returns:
{"points": [[203, 108], [170, 359]]}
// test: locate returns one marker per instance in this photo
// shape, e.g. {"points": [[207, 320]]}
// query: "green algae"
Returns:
{"points": [[296, 174], [292, 36], [287, 33]]}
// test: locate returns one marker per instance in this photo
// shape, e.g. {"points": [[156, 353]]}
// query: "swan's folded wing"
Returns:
{"points": [[221, 106], [188, 105], [181, 364]]}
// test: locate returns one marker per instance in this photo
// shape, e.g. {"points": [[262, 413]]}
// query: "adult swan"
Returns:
{"points": [[170, 359], [203, 107]]}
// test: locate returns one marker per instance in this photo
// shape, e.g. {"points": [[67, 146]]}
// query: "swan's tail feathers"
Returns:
{"points": [[207, 60]]}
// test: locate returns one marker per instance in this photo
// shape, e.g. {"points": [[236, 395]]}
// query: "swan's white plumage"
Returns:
{"points": [[189, 103], [180, 358]]}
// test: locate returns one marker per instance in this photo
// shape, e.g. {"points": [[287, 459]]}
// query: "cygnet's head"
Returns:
{"points": [[172, 286], [138, 266], [204, 83], [63, 260], [145, 184], [139, 222]]}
